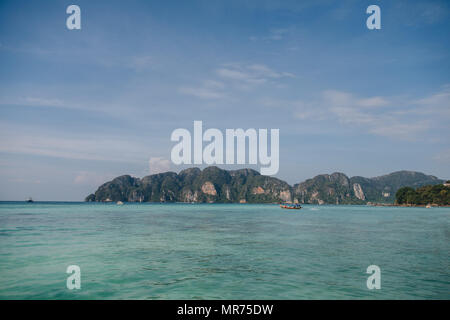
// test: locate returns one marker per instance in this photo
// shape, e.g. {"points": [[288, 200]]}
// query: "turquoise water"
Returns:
{"points": [[214, 251]]}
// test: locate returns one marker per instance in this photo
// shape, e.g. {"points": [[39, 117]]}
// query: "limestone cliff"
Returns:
{"points": [[194, 185], [248, 186]]}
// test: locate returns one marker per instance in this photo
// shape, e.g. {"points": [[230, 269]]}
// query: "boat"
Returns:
{"points": [[119, 203], [290, 206], [29, 200]]}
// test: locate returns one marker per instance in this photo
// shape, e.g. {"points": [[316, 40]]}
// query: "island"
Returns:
{"points": [[216, 185]]}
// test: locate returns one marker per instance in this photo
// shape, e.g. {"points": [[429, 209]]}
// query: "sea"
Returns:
{"points": [[222, 251]]}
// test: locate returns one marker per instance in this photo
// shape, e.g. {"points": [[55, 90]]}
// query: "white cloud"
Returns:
{"points": [[251, 74], [351, 115], [111, 108], [377, 115], [396, 129], [213, 84], [91, 178], [275, 34], [372, 102], [234, 76], [44, 102], [158, 165], [140, 63], [264, 71], [209, 90], [22, 180], [414, 13], [34, 101], [437, 103], [371, 114], [339, 98], [32, 141], [302, 110]]}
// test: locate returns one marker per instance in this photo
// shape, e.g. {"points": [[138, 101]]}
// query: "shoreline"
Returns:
{"points": [[431, 205], [372, 204]]}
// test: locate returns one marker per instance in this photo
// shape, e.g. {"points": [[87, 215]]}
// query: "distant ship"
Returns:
{"points": [[29, 200]]}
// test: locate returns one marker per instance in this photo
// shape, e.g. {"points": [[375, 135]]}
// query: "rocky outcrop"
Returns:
{"points": [[357, 190], [257, 190], [337, 188], [194, 185], [285, 195], [248, 186], [325, 188], [208, 188], [188, 196]]}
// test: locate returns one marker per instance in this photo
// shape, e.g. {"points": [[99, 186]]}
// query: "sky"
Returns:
{"points": [[79, 107]]}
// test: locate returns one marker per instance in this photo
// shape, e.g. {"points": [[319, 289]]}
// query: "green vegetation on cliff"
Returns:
{"points": [[337, 188], [194, 185], [217, 185], [433, 195]]}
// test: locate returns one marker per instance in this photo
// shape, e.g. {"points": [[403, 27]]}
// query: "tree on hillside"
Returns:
{"points": [[431, 194], [407, 195]]}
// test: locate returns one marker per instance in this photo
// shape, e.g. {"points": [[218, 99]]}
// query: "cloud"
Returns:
{"points": [[344, 99], [158, 165], [382, 116], [397, 129], [302, 110], [18, 139], [210, 89], [201, 92], [275, 34], [350, 115], [250, 74], [140, 63], [261, 70], [375, 114], [237, 75], [110, 108], [91, 178], [214, 84], [437, 103], [372, 102], [234, 76], [417, 13], [22, 180], [34, 101]]}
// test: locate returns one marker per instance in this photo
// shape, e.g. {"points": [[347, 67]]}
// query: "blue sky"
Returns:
{"points": [[79, 107]]}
